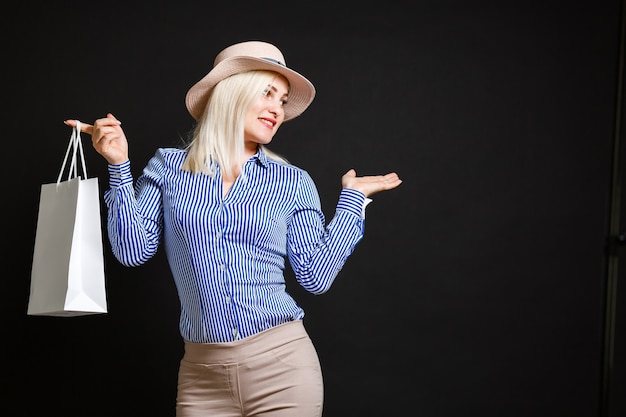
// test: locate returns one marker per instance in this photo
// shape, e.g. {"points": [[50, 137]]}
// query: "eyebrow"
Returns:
{"points": [[274, 89]]}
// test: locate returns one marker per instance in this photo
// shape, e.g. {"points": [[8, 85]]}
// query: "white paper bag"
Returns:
{"points": [[67, 277]]}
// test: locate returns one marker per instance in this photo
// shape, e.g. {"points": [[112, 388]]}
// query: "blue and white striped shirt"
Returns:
{"points": [[227, 254]]}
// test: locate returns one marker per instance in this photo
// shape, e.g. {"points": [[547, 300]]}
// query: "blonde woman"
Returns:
{"points": [[231, 213]]}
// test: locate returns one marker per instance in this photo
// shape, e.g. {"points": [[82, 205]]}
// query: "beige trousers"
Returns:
{"points": [[275, 373]]}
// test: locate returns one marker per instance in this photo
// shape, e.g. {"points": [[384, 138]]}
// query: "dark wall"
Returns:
{"points": [[479, 287]]}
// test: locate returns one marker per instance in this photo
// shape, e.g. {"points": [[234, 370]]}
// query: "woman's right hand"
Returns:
{"points": [[107, 138]]}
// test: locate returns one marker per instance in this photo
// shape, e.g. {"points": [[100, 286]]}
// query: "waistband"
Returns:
{"points": [[250, 346]]}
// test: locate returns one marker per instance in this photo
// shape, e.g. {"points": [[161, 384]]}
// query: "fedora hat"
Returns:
{"points": [[247, 56]]}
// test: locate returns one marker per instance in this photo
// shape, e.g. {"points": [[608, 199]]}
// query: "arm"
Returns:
{"points": [[133, 220], [317, 253]]}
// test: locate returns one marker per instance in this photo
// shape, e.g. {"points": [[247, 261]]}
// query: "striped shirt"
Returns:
{"points": [[227, 254]]}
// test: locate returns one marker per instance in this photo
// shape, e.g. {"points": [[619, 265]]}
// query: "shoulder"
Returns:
{"points": [[287, 170], [171, 157], [170, 154], [166, 160], [286, 167]]}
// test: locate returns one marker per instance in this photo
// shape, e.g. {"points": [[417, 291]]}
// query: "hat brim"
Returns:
{"points": [[301, 90]]}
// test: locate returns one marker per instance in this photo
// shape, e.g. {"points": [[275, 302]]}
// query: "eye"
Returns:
{"points": [[270, 94]]}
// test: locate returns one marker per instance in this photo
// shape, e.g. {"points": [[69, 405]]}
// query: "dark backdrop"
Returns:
{"points": [[479, 288]]}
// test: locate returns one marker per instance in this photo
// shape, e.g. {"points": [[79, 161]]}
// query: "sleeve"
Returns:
{"points": [[135, 214], [318, 252]]}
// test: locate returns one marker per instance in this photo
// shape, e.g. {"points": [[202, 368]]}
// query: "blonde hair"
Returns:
{"points": [[218, 137]]}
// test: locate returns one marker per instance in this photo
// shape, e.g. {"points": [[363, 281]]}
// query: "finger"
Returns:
{"points": [[113, 119], [392, 177], [84, 127], [106, 134], [108, 121]]}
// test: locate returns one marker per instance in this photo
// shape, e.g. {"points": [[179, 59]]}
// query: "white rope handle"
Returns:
{"points": [[76, 146]]}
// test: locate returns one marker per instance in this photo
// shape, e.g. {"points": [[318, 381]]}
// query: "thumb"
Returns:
{"points": [[348, 179], [110, 116]]}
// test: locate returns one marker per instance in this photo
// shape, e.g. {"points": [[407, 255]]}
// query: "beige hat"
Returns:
{"points": [[246, 56]]}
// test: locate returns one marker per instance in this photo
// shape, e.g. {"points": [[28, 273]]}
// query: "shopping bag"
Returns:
{"points": [[67, 276]]}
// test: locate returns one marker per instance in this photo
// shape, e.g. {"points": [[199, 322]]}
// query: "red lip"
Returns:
{"points": [[272, 121]]}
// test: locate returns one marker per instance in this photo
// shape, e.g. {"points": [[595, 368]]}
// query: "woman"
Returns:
{"points": [[230, 212]]}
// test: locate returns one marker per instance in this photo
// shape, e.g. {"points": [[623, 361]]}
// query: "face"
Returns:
{"points": [[266, 114]]}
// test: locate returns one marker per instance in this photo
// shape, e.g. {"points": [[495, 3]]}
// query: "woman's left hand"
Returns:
{"points": [[371, 184]]}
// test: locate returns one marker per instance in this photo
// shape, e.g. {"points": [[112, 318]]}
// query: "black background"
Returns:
{"points": [[479, 288]]}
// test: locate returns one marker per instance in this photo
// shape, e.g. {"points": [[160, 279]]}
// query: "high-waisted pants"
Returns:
{"points": [[275, 373]]}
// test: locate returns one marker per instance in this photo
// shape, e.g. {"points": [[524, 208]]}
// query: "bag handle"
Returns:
{"points": [[76, 146]]}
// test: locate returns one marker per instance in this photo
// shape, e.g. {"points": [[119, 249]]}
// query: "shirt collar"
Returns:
{"points": [[261, 157]]}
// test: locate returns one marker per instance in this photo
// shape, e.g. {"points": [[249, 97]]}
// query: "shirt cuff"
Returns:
{"points": [[365, 203], [352, 201], [119, 174]]}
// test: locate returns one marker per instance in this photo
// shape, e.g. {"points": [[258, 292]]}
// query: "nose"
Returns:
{"points": [[275, 106]]}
